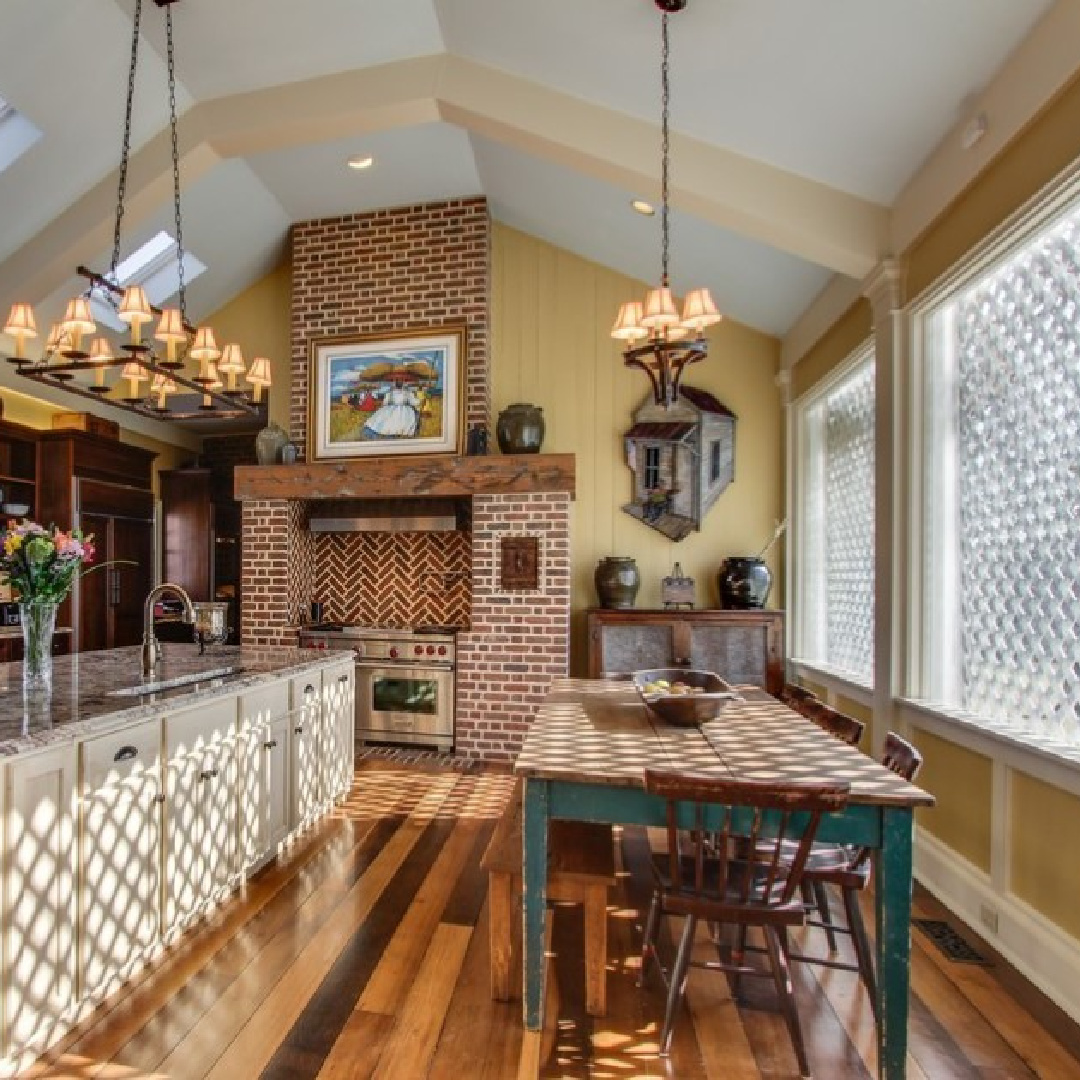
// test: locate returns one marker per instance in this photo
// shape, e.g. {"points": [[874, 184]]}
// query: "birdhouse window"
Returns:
{"points": [[652, 467], [715, 456]]}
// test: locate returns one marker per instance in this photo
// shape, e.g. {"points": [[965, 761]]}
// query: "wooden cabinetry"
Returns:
{"points": [[201, 538], [102, 487], [741, 646], [18, 466]]}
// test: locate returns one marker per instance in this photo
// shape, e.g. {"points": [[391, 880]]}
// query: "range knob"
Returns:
{"points": [[431, 650], [419, 650], [393, 652], [442, 650]]}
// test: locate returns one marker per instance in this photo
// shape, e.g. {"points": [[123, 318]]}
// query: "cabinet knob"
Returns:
{"points": [[343, 679], [208, 774], [309, 690], [299, 729], [270, 744], [125, 753]]}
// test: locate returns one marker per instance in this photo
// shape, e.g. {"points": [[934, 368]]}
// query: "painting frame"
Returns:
{"points": [[387, 394]]}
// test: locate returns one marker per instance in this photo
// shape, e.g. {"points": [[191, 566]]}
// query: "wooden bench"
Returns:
{"points": [[581, 867]]}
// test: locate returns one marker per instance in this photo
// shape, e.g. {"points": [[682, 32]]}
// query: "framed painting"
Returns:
{"points": [[383, 395]]}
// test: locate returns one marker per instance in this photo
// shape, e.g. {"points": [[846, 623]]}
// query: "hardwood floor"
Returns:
{"points": [[363, 953]]}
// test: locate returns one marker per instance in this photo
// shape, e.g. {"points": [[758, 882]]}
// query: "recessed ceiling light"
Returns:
{"points": [[643, 207], [361, 162]]}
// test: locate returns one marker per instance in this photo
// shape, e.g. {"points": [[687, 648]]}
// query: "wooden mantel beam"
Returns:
{"points": [[407, 477]]}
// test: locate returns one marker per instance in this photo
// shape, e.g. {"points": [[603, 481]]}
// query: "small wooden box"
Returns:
{"points": [[88, 422]]}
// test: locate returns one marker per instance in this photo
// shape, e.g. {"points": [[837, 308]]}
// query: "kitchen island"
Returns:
{"points": [[132, 806]]}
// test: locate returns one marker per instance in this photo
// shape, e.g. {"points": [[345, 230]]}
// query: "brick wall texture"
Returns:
{"points": [[392, 271], [388, 272]]}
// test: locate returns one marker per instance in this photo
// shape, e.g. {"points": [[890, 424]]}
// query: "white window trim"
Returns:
{"points": [[806, 619], [1062, 769]]}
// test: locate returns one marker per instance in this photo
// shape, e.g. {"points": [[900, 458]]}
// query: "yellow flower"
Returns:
{"points": [[12, 543]]}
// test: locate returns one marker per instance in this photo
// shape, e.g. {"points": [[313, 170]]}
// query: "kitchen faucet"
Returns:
{"points": [[151, 647]]}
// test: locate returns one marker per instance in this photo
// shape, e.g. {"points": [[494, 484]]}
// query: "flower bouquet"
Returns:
{"points": [[41, 565]]}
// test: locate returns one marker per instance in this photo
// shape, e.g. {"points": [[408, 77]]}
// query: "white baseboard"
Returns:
{"points": [[1039, 949]]}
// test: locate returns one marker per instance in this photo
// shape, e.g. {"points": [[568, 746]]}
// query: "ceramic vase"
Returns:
{"points": [[269, 443], [38, 619], [743, 583], [520, 429], [617, 581]]}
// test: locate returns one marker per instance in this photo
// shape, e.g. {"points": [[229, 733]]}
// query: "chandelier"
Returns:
{"points": [[658, 340], [152, 363]]}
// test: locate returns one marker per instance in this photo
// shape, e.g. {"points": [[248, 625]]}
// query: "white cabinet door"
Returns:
{"points": [[264, 755], [306, 750], [39, 920], [339, 689], [120, 854], [201, 807]]}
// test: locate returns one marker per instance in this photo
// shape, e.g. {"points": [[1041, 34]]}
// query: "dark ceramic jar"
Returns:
{"points": [[744, 582], [520, 429], [617, 581]]}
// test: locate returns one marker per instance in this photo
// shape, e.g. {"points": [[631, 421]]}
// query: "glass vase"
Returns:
{"points": [[38, 619]]}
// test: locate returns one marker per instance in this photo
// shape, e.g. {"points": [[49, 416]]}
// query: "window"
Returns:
{"points": [[652, 467], [715, 451], [998, 634], [155, 267], [17, 134], [834, 565]]}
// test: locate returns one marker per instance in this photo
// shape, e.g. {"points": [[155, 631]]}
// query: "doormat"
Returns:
{"points": [[950, 942], [408, 756]]}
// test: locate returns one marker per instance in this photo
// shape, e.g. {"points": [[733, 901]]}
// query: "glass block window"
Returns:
{"points": [[835, 528], [1000, 611]]}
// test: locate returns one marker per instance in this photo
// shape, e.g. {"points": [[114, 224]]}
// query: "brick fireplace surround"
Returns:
{"points": [[389, 271]]}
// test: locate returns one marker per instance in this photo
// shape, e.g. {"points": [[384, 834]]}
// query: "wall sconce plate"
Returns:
{"points": [[520, 562]]}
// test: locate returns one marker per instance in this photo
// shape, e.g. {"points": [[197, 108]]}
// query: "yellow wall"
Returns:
{"points": [[1046, 850], [551, 316], [960, 780], [838, 343], [258, 318]]}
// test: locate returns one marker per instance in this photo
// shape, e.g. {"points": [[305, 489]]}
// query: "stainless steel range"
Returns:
{"points": [[404, 681]]}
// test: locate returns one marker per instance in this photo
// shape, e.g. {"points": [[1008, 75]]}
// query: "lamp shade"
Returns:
{"points": [[21, 325], [134, 307], [699, 311], [77, 318], [628, 323], [170, 327], [101, 351], [259, 375], [205, 347], [232, 359], [58, 336], [659, 309], [134, 373]]}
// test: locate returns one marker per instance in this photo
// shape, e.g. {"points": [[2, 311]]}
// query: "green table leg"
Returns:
{"points": [[534, 898], [893, 896]]}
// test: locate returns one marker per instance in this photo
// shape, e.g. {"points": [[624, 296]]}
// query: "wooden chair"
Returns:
{"points": [[581, 869], [803, 701], [722, 874], [845, 728], [848, 868]]}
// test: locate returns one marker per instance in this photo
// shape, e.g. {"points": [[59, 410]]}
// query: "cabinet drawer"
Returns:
{"points": [[264, 702], [197, 728], [111, 758]]}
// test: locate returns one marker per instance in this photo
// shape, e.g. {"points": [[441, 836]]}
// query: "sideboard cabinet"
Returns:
{"points": [[744, 647]]}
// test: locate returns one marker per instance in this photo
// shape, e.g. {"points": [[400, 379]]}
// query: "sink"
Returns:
{"points": [[172, 684]]}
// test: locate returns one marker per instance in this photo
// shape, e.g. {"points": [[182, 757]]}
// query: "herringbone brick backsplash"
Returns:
{"points": [[394, 579]]}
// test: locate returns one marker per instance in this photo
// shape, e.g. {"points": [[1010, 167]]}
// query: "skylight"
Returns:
{"points": [[155, 267], [17, 134]]}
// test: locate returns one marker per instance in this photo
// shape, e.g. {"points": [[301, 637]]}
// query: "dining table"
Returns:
{"points": [[584, 759]]}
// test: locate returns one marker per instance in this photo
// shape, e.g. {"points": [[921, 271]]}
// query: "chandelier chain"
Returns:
{"points": [[121, 186], [175, 163], [665, 144]]}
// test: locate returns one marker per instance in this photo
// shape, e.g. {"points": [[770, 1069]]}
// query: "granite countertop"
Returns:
{"points": [[80, 704], [16, 631]]}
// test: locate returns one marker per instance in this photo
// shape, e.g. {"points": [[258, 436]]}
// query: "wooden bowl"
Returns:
{"points": [[706, 702]]}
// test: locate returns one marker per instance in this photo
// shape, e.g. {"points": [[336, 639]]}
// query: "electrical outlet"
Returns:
{"points": [[988, 916]]}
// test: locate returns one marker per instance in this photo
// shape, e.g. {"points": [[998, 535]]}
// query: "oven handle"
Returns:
{"points": [[399, 666]]}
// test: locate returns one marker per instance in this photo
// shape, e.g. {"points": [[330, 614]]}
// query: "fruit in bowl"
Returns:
{"points": [[683, 696]]}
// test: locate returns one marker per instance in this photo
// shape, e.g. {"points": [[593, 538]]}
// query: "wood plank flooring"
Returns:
{"points": [[363, 953]]}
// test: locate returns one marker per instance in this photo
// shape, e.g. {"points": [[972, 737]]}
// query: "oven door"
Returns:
{"points": [[396, 703]]}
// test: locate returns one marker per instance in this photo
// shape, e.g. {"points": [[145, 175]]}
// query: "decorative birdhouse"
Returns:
{"points": [[682, 458]]}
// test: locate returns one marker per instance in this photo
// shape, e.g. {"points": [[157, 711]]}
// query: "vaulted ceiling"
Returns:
{"points": [[797, 124]]}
